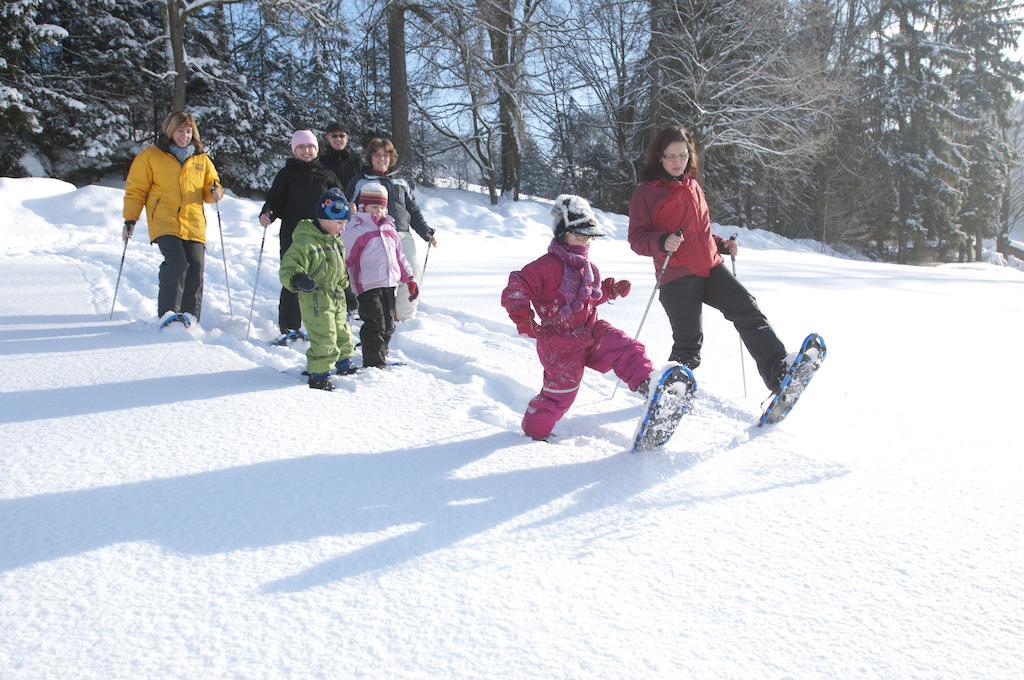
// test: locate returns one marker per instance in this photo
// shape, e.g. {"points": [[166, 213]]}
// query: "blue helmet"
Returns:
{"points": [[333, 205]]}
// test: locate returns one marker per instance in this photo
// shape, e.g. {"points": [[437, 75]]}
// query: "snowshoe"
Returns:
{"points": [[289, 337], [670, 399], [794, 382], [175, 317]]}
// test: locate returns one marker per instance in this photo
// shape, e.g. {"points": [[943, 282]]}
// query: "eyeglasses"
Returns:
{"points": [[672, 157], [337, 135]]}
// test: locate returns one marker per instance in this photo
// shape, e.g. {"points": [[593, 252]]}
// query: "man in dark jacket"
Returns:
{"points": [[339, 157]]}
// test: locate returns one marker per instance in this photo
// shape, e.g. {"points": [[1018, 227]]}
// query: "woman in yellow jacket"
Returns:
{"points": [[172, 180]]}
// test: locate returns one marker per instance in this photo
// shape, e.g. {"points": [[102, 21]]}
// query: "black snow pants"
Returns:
{"points": [[376, 309], [181, 276], [683, 300], [289, 316]]}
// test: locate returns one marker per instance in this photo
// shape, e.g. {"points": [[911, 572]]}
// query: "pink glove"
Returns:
{"points": [[525, 324], [528, 328]]}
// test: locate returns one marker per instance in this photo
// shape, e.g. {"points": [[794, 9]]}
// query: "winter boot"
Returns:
{"points": [[644, 388], [345, 367], [319, 381], [780, 371]]}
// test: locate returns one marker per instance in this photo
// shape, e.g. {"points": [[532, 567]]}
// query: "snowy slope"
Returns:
{"points": [[174, 505]]}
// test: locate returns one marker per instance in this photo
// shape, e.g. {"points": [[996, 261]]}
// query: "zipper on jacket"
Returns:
{"points": [[316, 271]]}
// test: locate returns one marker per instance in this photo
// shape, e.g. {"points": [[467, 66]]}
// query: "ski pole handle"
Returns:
{"points": [[732, 255]]}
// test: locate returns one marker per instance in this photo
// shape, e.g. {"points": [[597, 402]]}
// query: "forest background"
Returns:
{"points": [[889, 127]]}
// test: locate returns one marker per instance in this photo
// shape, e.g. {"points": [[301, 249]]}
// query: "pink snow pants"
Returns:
{"points": [[602, 347]]}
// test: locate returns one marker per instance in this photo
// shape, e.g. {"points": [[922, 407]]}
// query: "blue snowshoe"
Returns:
{"points": [[289, 337], [794, 382], [670, 399], [176, 317]]}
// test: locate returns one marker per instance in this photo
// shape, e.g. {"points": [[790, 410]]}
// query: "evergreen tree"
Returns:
{"points": [[25, 36], [915, 126], [984, 81]]}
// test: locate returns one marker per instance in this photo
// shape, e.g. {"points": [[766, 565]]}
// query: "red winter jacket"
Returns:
{"points": [[538, 284], [663, 206]]}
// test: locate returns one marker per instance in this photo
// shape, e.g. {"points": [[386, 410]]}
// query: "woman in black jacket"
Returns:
{"points": [[295, 195]]}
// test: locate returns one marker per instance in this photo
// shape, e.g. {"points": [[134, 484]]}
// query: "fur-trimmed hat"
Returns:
{"points": [[333, 205], [300, 137], [573, 214], [373, 193]]}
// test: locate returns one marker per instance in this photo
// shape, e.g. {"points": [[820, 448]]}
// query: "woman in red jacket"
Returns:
{"points": [[668, 218]]}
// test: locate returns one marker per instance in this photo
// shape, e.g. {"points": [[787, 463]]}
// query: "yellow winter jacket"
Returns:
{"points": [[172, 193]]}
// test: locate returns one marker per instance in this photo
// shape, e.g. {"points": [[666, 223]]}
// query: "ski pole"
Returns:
{"points": [[650, 300], [224, 257], [259, 261], [425, 261], [118, 284], [743, 364]]}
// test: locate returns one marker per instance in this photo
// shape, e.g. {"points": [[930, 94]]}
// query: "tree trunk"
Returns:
{"points": [[400, 133], [655, 48], [498, 15], [176, 53]]}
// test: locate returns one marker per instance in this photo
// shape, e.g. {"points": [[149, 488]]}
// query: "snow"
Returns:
{"points": [[31, 163], [172, 504]]}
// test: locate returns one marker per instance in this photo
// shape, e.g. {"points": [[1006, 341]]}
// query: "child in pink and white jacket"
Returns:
{"points": [[376, 265], [565, 288]]}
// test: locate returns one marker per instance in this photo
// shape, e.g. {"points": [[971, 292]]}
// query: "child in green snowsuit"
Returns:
{"points": [[314, 267]]}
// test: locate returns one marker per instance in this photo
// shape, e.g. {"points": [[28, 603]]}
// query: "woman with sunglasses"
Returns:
{"points": [[668, 219]]}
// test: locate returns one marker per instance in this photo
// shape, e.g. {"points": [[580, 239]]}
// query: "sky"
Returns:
{"points": [[180, 504]]}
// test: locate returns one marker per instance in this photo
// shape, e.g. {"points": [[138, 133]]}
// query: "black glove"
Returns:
{"points": [[302, 281], [129, 229]]}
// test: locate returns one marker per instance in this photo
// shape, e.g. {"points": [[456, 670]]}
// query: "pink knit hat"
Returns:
{"points": [[300, 137]]}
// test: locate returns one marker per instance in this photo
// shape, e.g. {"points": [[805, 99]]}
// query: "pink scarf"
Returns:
{"points": [[578, 283]]}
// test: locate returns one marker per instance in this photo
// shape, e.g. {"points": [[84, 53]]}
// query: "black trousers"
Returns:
{"points": [[683, 300], [181, 276], [376, 309], [289, 316]]}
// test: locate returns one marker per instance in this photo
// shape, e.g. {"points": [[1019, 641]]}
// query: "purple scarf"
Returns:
{"points": [[578, 284]]}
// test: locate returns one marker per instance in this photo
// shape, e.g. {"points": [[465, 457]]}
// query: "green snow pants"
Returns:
{"points": [[325, 316]]}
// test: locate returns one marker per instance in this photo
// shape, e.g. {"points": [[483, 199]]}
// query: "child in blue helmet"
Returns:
{"points": [[314, 267]]}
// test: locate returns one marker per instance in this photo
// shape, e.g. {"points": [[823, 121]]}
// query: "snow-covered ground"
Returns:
{"points": [[175, 505]]}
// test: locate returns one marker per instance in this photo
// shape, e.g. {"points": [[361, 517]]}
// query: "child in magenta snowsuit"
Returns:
{"points": [[565, 288]]}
